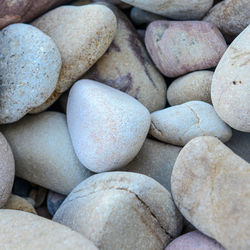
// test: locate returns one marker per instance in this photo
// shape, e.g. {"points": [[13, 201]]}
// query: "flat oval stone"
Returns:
{"points": [[127, 211], [7, 170], [82, 35], [156, 160], [29, 64], [230, 16], [54, 201], [127, 67], [181, 47], [26, 231], [230, 89], [175, 9], [43, 152], [195, 86], [210, 186], [194, 241], [107, 126], [179, 124]]}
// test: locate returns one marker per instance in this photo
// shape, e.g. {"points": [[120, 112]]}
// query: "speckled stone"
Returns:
{"points": [[107, 126], [230, 16], [194, 241], [127, 67], [44, 153], [127, 211], [179, 124], [26, 231], [210, 186], [82, 35], [29, 64], [18, 203], [156, 160], [175, 9], [230, 89], [195, 86], [54, 200], [7, 170], [181, 47]]}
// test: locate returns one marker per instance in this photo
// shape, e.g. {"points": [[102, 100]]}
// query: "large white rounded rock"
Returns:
{"points": [[107, 126], [44, 153], [230, 89], [179, 124], [29, 68], [26, 231]]}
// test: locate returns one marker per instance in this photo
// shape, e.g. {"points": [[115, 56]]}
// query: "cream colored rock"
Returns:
{"points": [[7, 170], [230, 16], [18, 203], [127, 67], [230, 90], [44, 153], [193, 86], [122, 210], [82, 35], [26, 231], [211, 187], [107, 126], [156, 160], [179, 124], [175, 9]]}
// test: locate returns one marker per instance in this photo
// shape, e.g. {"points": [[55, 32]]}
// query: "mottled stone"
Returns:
{"points": [[82, 35], [181, 47], [210, 186], [127, 211], [54, 201], [230, 89], [179, 124], [195, 86], [44, 153], [175, 9], [29, 64], [7, 170], [156, 160], [18, 203], [230, 16], [127, 67], [107, 126], [194, 241], [26, 231]]}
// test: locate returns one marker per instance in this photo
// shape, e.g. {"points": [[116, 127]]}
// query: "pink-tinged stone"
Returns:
{"points": [[181, 47], [107, 126], [194, 241]]}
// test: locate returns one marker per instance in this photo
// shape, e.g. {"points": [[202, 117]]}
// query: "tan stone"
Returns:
{"points": [[211, 187], [26, 231], [122, 210]]}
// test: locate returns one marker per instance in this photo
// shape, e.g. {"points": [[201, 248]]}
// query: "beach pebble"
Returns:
{"points": [[181, 47], [156, 160], [121, 210], [18, 203], [127, 67], [230, 16], [44, 153], [191, 87], [26, 231], [82, 35], [179, 124], [54, 200], [107, 126], [20, 11], [194, 241], [7, 170], [210, 186], [175, 9], [230, 89], [29, 64]]}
